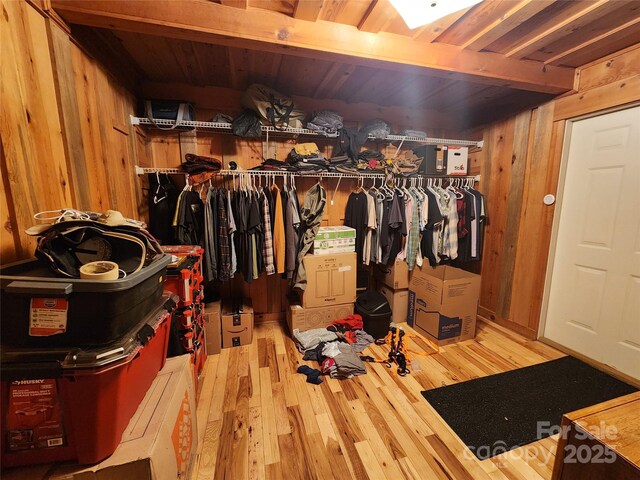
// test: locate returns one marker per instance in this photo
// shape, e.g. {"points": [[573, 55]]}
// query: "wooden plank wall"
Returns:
{"points": [[520, 164], [66, 139]]}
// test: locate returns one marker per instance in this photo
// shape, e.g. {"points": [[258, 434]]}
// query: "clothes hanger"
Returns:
{"points": [[159, 187]]}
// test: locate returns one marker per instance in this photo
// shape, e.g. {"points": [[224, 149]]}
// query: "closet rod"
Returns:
{"points": [[281, 173], [337, 174], [226, 128]]}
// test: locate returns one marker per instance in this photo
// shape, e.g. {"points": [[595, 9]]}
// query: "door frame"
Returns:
{"points": [[554, 235]]}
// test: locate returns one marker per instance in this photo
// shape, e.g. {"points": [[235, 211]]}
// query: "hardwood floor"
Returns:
{"points": [[259, 419]]}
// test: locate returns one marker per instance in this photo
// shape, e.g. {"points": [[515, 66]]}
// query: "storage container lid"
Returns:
{"points": [[372, 303], [41, 276], [64, 359]]}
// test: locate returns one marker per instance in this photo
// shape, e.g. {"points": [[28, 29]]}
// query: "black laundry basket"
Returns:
{"points": [[376, 313]]}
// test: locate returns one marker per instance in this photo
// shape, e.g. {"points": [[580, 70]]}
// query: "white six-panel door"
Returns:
{"points": [[594, 292]]}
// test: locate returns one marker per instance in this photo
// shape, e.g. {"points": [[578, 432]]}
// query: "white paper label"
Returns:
{"points": [[48, 316], [346, 268]]}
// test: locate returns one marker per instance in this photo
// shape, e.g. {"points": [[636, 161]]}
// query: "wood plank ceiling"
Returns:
{"points": [[492, 60]]}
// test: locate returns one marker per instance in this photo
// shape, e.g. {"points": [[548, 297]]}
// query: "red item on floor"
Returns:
{"points": [[75, 404], [351, 322]]}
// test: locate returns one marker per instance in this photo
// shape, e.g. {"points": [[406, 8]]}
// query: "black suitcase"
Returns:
{"points": [[375, 311]]}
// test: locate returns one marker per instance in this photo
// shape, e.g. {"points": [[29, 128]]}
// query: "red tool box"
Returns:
{"points": [[184, 277], [74, 404]]}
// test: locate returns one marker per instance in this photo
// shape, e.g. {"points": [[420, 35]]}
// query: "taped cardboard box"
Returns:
{"points": [[398, 300], [335, 239], [309, 318], [237, 326], [331, 280], [395, 276], [161, 440], [443, 303], [213, 328]]}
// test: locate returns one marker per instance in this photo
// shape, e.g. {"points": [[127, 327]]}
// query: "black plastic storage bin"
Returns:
{"points": [[375, 311], [97, 312]]}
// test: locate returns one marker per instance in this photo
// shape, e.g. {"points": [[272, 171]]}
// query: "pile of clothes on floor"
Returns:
{"points": [[335, 348]]}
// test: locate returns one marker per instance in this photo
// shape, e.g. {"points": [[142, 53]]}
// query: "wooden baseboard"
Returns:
{"points": [[594, 363], [275, 317], [490, 316]]}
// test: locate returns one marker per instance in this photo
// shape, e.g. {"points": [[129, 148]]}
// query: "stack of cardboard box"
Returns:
{"points": [[330, 291], [393, 283], [443, 303], [226, 327]]}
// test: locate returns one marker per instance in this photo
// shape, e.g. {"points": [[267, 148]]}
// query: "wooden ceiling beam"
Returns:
{"points": [[520, 13], [308, 10], [377, 16], [262, 30], [236, 3], [433, 30], [545, 37], [621, 30]]}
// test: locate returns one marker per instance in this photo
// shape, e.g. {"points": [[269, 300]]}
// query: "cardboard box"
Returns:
{"points": [[161, 440], [396, 276], [309, 318], [443, 303], [398, 300], [237, 328], [337, 239], [335, 232], [212, 328], [432, 159], [331, 279], [457, 160]]}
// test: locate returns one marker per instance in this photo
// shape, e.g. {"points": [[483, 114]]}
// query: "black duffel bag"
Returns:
{"points": [[177, 110]]}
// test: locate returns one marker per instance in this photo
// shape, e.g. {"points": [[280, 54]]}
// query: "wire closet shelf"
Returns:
{"points": [[269, 130]]}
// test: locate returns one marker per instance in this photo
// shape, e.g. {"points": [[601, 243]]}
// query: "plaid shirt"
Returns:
{"points": [[224, 248], [413, 241], [267, 250]]}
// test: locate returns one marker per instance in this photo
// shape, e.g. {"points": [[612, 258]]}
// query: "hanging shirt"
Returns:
{"points": [[269, 266], [379, 213], [291, 225], [431, 235], [223, 247], [232, 232], [311, 214], [209, 258], [392, 223], [190, 221], [408, 215], [413, 239], [370, 230], [356, 216], [279, 239]]}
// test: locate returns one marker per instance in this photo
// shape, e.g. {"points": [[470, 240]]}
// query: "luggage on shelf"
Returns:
{"points": [[40, 309], [75, 403], [376, 313]]}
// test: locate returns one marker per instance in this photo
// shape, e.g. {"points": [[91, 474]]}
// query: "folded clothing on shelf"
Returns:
{"points": [[198, 164], [326, 122]]}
